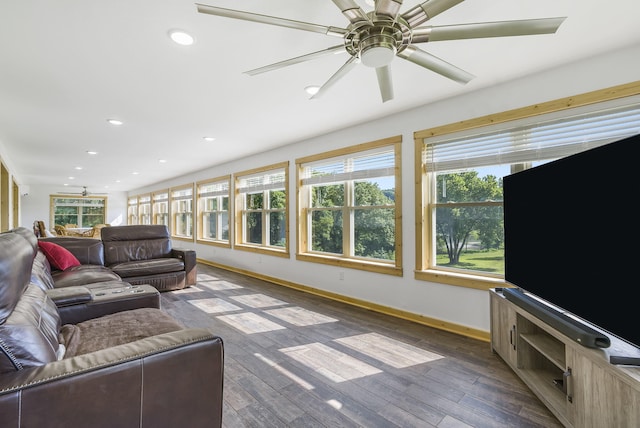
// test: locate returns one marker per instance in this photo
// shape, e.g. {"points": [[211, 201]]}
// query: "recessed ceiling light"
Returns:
{"points": [[78, 168], [115, 122], [91, 152], [181, 37], [208, 138], [135, 173], [162, 160], [312, 90], [71, 178], [117, 181]]}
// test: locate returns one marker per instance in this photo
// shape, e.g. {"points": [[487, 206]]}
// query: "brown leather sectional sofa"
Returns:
{"points": [[137, 254], [118, 360]]}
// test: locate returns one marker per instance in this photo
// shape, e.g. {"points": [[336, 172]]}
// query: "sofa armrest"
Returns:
{"points": [[69, 295], [190, 265], [162, 380], [104, 298]]}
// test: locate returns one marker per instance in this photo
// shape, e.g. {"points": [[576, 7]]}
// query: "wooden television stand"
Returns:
{"points": [[578, 384]]}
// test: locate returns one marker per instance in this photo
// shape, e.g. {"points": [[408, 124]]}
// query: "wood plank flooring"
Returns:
{"points": [[293, 359]]}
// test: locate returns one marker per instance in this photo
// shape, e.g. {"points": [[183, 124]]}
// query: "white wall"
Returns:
{"points": [[457, 305]]}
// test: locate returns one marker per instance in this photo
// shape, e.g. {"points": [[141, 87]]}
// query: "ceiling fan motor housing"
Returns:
{"points": [[378, 41]]}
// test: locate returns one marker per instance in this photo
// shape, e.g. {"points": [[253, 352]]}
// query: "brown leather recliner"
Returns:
{"points": [[136, 368], [143, 254]]}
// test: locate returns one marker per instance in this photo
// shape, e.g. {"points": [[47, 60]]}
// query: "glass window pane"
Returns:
{"points": [[470, 238], [277, 223], [277, 199], [209, 226], [225, 225], [375, 233], [326, 231], [254, 201], [331, 195], [473, 185], [254, 227], [370, 193]]}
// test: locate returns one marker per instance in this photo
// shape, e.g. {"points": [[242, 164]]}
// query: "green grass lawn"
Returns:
{"points": [[486, 261]]}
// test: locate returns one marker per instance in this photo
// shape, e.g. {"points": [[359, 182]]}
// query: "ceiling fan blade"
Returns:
{"points": [[342, 71], [385, 83], [427, 10], [388, 8], [265, 19], [352, 11], [296, 60], [525, 27], [435, 64]]}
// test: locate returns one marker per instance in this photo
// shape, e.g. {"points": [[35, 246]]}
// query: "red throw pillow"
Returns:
{"points": [[58, 256]]}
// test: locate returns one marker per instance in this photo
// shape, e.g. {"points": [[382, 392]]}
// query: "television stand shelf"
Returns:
{"points": [[578, 384]]}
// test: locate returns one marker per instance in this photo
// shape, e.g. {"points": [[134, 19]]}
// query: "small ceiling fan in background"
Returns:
{"points": [[84, 192], [376, 37]]}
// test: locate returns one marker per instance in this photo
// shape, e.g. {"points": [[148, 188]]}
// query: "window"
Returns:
{"points": [[261, 210], [85, 212], [132, 210], [160, 207], [348, 211], [144, 209], [462, 238], [182, 212], [213, 210]]}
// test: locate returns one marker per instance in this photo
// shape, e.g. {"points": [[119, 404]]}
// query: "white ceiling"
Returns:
{"points": [[67, 66]]}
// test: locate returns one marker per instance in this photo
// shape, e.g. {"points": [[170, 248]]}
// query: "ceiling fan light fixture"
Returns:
{"points": [[377, 56], [377, 50]]}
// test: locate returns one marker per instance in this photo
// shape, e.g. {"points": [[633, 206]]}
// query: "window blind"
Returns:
{"points": [[270, 180], [365, 165], [220, 188], [545, 140], [181, 194]]}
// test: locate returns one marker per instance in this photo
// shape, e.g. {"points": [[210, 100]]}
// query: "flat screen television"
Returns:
{"points": [[572, 238]]}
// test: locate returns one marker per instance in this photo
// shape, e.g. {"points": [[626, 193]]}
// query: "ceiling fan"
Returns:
{"points": [[84, 192], [375, 38]]}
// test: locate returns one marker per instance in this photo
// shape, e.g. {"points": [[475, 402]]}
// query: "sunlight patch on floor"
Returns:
{"points": [[258, 300], [389, 351], [299, 316], [330, 363], [219, 285], [250, 323], [214, 305], [206, 277]]}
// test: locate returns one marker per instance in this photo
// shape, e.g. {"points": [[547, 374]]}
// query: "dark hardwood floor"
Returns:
{"points": [[293, 359]]}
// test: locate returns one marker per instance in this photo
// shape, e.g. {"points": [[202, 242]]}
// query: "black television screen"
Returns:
{"points": [[572, 235]]}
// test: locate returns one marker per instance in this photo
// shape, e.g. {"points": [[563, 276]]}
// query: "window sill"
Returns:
{"points": [[278, 252], [460, 279], [224, 244], [384, 268]]}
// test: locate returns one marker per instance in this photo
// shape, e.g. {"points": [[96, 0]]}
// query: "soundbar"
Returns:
{"points": [[570, 327]]}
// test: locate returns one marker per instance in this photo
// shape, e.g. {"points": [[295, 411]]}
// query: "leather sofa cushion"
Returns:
{"points": [[115, 329], [83, 275], [29, 336], [41, 272], [88, 251], [16, 258], [148, 267], [135, 242]]}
